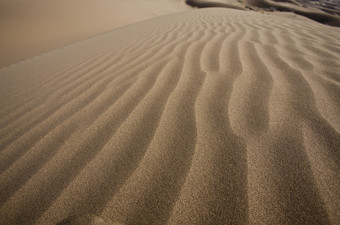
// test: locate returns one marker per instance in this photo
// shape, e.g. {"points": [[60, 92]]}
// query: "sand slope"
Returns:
{"points": [[214, 116], [32, 27], [321, 12]]}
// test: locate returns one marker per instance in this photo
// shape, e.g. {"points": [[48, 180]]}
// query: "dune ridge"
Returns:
{"points": [[321, 14], [49, 24], [212, 116]]}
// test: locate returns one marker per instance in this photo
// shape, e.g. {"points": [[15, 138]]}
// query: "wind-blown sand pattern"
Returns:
{"points": [[320, 11], [212, 116]]}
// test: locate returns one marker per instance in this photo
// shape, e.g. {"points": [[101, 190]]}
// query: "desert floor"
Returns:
{"points": [[170, 115]]}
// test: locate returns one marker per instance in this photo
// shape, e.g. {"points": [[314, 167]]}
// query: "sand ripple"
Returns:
{"points": [[213, 116]]}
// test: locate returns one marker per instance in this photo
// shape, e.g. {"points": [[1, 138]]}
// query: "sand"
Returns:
{"points": [[322, 11], [33, 27], [209, 116]]}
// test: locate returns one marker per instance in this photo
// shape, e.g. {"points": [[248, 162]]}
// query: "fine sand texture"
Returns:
{"points": [[32, 27], [211, 116], [321, 12]]}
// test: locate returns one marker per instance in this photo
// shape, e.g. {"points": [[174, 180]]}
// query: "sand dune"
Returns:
{"points": [[210, 4], [213, 116], [32, 27], [319, 13], [308, 11]]}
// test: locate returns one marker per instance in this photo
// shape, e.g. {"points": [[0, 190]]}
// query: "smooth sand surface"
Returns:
{"points": [[211, 116], [32, 27]]}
